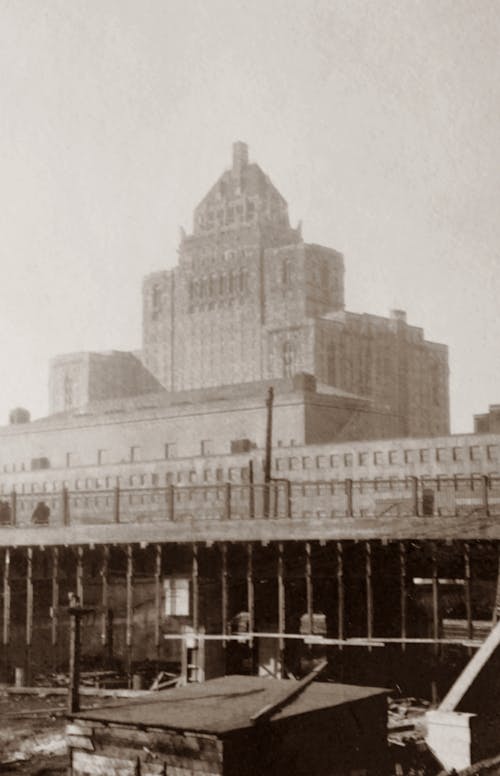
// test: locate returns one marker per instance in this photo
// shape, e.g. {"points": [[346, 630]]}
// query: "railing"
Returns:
{"points": [[280, 499]]}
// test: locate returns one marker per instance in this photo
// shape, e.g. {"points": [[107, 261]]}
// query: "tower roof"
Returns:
{"points": [[243, 194]]}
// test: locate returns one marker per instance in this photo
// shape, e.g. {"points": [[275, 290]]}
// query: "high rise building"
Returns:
{"points": [[249, 300]]}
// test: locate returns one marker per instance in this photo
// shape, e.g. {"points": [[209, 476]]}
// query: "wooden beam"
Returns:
{"points": [[29, 611], [29, 596], [129, 607], [435, 598], [467, 591], [369, 591], [224, 588], [105, 595], [340, 591], [6, 598], [250, 589], [79, 574], [54, 614], [195, 587], [158, 597], [281, 606], [309, 589], [403, 592]]}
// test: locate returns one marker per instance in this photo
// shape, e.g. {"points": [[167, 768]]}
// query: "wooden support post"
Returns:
{"points": [[74, 663], [158, 599], [76, 612], [79, 574], [54, 613], [195, 589], [281, 609], [29, 610], [227, 501], [6, 599], [467, 593], [107, 621], [250, 591], [130, 611], [403, 592], [13, 507], [116, 503], [251, 491], [435, 622], [349, 499], [309, 589], [224, 589], [369, 592], [435, 596], [340, 592]]}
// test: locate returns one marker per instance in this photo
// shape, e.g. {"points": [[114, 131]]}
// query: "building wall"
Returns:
{"points": [[78, 379], [389, 361], [188, 444]]}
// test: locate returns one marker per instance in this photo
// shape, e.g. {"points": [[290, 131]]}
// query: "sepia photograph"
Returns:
{"points": [[250, 395]]}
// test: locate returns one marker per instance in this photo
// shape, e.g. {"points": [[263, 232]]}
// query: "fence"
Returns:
{"points": [[279, 500]]}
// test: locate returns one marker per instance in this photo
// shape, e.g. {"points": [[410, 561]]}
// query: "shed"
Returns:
{"points": [[326, 730]]}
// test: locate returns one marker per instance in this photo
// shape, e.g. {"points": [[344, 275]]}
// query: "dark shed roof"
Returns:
{"points": [[223, 705]]}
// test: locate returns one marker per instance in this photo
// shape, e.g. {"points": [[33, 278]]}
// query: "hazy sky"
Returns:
{"points": [[379, 121]]}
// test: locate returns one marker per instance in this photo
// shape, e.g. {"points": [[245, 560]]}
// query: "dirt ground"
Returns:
{"points": [[32, 735]]}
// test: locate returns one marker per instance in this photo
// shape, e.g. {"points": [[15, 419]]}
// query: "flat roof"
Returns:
{"points": [[220, 706]]}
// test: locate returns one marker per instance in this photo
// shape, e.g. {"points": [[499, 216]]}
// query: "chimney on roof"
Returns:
{"points": [[240, 158]]}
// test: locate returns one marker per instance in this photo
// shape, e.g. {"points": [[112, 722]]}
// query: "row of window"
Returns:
{"points": [[475, 453], [392, 457]]}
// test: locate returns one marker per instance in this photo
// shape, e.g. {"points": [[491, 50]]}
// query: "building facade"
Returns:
{"points": [[250, 300]]}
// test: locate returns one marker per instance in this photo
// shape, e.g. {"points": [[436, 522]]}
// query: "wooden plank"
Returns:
{"points": [[79, 742], [6, 599], [78, 729], [391, 528], [471, 671]]}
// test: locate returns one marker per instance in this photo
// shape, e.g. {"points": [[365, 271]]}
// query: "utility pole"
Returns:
{"points": [[269, 450]]}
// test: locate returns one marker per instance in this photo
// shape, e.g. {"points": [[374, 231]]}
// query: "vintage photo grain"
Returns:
{"points": [[249, 407]]}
